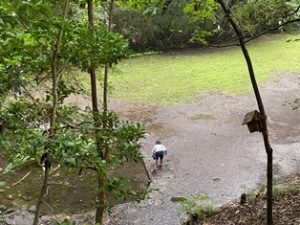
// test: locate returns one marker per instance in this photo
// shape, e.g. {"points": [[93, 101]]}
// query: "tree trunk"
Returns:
{"points": [[42, 196], [92, 70], [105, 79], [101, 196], [101, 199], [268, 147], [54, 73]]}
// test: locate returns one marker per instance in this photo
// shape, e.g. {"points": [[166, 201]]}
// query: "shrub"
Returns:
{"points": [[198, 207]]}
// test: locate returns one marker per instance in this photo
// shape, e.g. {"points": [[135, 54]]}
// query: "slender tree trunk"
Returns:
{"points": [[41, 196], [101, 195], [103, 178], [105, 87], [54, 72], [105, 79], [101, 199], [268, 147], [92, 70], [106, 68]]}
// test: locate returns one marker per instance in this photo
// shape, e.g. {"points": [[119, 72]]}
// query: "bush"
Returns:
{"points": [[198, 207], [281, 190]]}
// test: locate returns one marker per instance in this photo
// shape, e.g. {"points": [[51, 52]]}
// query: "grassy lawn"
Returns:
{"points": [[175, 78]]}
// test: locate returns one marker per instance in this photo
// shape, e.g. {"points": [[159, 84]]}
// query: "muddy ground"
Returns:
{"points": [[209, 152]]}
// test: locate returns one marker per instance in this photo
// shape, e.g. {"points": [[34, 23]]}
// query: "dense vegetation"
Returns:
{"points": [[170, 27], [45, 43]]}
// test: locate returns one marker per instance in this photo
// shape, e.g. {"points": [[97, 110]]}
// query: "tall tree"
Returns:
{"points": [[260, 104], [106, 120], [75, 138], [54, 72], [239, 15]]}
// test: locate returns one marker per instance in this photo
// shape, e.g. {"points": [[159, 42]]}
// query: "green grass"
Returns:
{"points": [[169, 79], [198, 207], [281, 190]]}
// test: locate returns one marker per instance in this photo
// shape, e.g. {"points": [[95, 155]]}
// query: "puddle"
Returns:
{"points": [[68, 192]]}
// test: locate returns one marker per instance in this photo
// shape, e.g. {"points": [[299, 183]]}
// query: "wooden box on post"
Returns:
{"points": [[253, 121]]}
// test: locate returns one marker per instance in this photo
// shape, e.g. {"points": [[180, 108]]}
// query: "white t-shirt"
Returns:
{"points": [[159, 148]]}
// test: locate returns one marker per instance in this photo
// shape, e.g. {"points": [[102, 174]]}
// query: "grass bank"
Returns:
{"points": [[177, 77], [286, 203]]}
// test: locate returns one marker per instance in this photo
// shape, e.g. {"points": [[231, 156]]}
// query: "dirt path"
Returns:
{"points": [[211, 153]]}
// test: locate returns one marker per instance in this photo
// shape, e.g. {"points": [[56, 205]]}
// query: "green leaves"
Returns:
{"points": [[259, 15], [25, 131], [198, 207], [93, 48], [253, 17], [201, 11], [147, 7], [28, 33], [65, 222]]}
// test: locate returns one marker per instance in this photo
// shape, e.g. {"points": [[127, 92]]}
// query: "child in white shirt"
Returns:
{"points": [[158, 152]]}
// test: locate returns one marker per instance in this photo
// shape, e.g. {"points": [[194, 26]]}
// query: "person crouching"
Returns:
{"points": [[158, 152]]}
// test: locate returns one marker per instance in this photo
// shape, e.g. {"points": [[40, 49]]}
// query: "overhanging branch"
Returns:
{"points": [[248, 39]]}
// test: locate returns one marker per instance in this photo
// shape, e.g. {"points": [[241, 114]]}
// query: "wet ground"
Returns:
{"points": [[69, 193], [209, 152]]}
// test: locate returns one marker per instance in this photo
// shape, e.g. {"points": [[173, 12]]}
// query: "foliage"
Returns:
{"points": [[64, 222], [256, 16], [73, 145], [26, 43], [200, 12], [87, 48], [169, 27], [67, 222], [157, 25], [148, 7], [282, 190], [24, 127], [121, 137], [28, 38], [198, 207]]}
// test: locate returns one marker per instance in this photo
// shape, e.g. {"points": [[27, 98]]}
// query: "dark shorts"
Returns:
{"points": [[159, 155]]}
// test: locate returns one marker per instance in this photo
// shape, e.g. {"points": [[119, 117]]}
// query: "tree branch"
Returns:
{"points": [[23, 178], [248, 39], [54, 72], [29, 30], [294, 12], [273, 29]]}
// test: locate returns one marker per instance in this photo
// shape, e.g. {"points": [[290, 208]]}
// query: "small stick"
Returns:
{"points": [[23, 178], [147, 171], [56, 168]]}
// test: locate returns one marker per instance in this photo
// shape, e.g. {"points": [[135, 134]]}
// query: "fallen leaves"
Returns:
{"points": [[286, 207]]}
